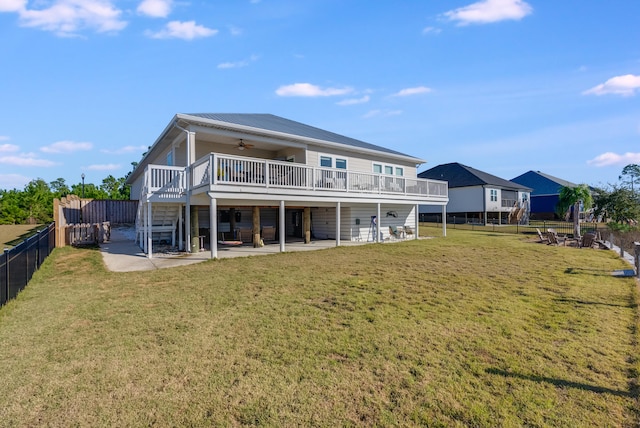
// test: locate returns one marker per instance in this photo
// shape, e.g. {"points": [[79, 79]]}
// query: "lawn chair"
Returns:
{"points": [[394, 232], [245, 234], [543, 239], [555, 239], [268, 233], [408, 230], [588, 240]]}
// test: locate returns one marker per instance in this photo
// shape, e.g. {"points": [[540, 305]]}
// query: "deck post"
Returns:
{"points": [[213, 226], [378, 221], [282, 231], [338, 224], [180, 224], [256, 227], [444, 220], [194, 232], [417, 222], [307, 225], [149, 231]]}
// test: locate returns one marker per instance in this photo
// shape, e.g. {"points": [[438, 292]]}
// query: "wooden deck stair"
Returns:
{"points": [[164, 219]]}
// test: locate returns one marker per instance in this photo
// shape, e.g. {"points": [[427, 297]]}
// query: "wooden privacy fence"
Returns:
{"points": [[72, 210], [87, 233]]}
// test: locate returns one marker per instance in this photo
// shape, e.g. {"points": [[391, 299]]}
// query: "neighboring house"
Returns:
{"points": [[478, 197], [545, 193], [260, 177]]}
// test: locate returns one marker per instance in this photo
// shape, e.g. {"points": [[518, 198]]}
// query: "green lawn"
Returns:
{"points": [[475, 329]]}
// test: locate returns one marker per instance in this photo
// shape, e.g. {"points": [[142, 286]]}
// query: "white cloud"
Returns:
{"points": [[103, 167], [382, 113], [235, 31], [12, 5], [4, 137], [309, 90], [66, 147], [68, 17], [187, 30], [352, 101], [25, 160], [431, 30], [412, 91], [488, 11], [125, 150], [626, 86], [155, 8], [614, 159], [238, 64], [7, 148], [13, 181]]}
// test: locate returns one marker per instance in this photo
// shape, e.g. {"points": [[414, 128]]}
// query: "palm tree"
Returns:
{"points": [[571, 197]]}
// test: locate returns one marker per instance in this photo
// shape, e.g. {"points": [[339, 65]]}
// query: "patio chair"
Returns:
{"points": [[543, 239], [408, 230], [555, 239], [588, 240], [245, 234], [268, 233], [394, 232]]}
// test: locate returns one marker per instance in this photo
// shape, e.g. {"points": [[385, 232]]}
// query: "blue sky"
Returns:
{"points": [[504, 86]]}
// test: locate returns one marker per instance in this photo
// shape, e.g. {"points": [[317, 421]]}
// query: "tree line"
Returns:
{"points": [[34, 204]]}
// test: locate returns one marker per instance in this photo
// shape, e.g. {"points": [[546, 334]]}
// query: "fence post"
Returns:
{"points": [[637, 257], [6, 259]]}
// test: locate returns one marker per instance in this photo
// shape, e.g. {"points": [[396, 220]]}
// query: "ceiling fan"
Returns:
{"points": [[242, 145]]}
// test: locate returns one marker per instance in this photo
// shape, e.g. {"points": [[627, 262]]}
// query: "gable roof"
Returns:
{"points": [[541, 183], [459, 175], [273, 123]]}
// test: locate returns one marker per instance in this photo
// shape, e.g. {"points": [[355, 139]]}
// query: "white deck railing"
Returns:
{"points": [[220, 170]]}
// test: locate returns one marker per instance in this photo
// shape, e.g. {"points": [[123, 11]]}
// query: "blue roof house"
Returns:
{"points": [[544, 194]]}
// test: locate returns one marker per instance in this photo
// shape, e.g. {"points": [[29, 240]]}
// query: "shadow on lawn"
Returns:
{"points": [[584, 302], [561, 383], [585, 271]]}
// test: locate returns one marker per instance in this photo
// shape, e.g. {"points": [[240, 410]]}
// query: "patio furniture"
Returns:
{"points": [[555, 239], [543, 239], [268, 233], [245, 234]]}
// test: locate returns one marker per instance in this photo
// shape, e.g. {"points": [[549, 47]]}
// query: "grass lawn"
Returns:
{"points": [[12, 234], [475, 329]]}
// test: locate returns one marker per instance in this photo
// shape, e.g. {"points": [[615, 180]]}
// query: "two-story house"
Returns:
{"points": [[478, 197], [210, 179]]}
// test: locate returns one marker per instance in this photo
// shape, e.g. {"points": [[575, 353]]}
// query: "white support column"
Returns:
{"points": [[337, 224], [143, 235], [180, 226], [190, 148], [281, 226], [444, 220], [149, 230], [213, 226], [417, 222], [378, 221]]}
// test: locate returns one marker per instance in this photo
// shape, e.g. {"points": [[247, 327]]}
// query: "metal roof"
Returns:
{"points": [[459, 175], [279, 124]]}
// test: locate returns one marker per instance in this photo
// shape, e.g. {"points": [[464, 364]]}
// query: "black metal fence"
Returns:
{"points": [[561, 227], [18, 264]]}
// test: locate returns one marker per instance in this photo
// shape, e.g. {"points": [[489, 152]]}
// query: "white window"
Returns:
{"points": [[388, 169], [494, 195], [327, 161], [170, 158]]}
